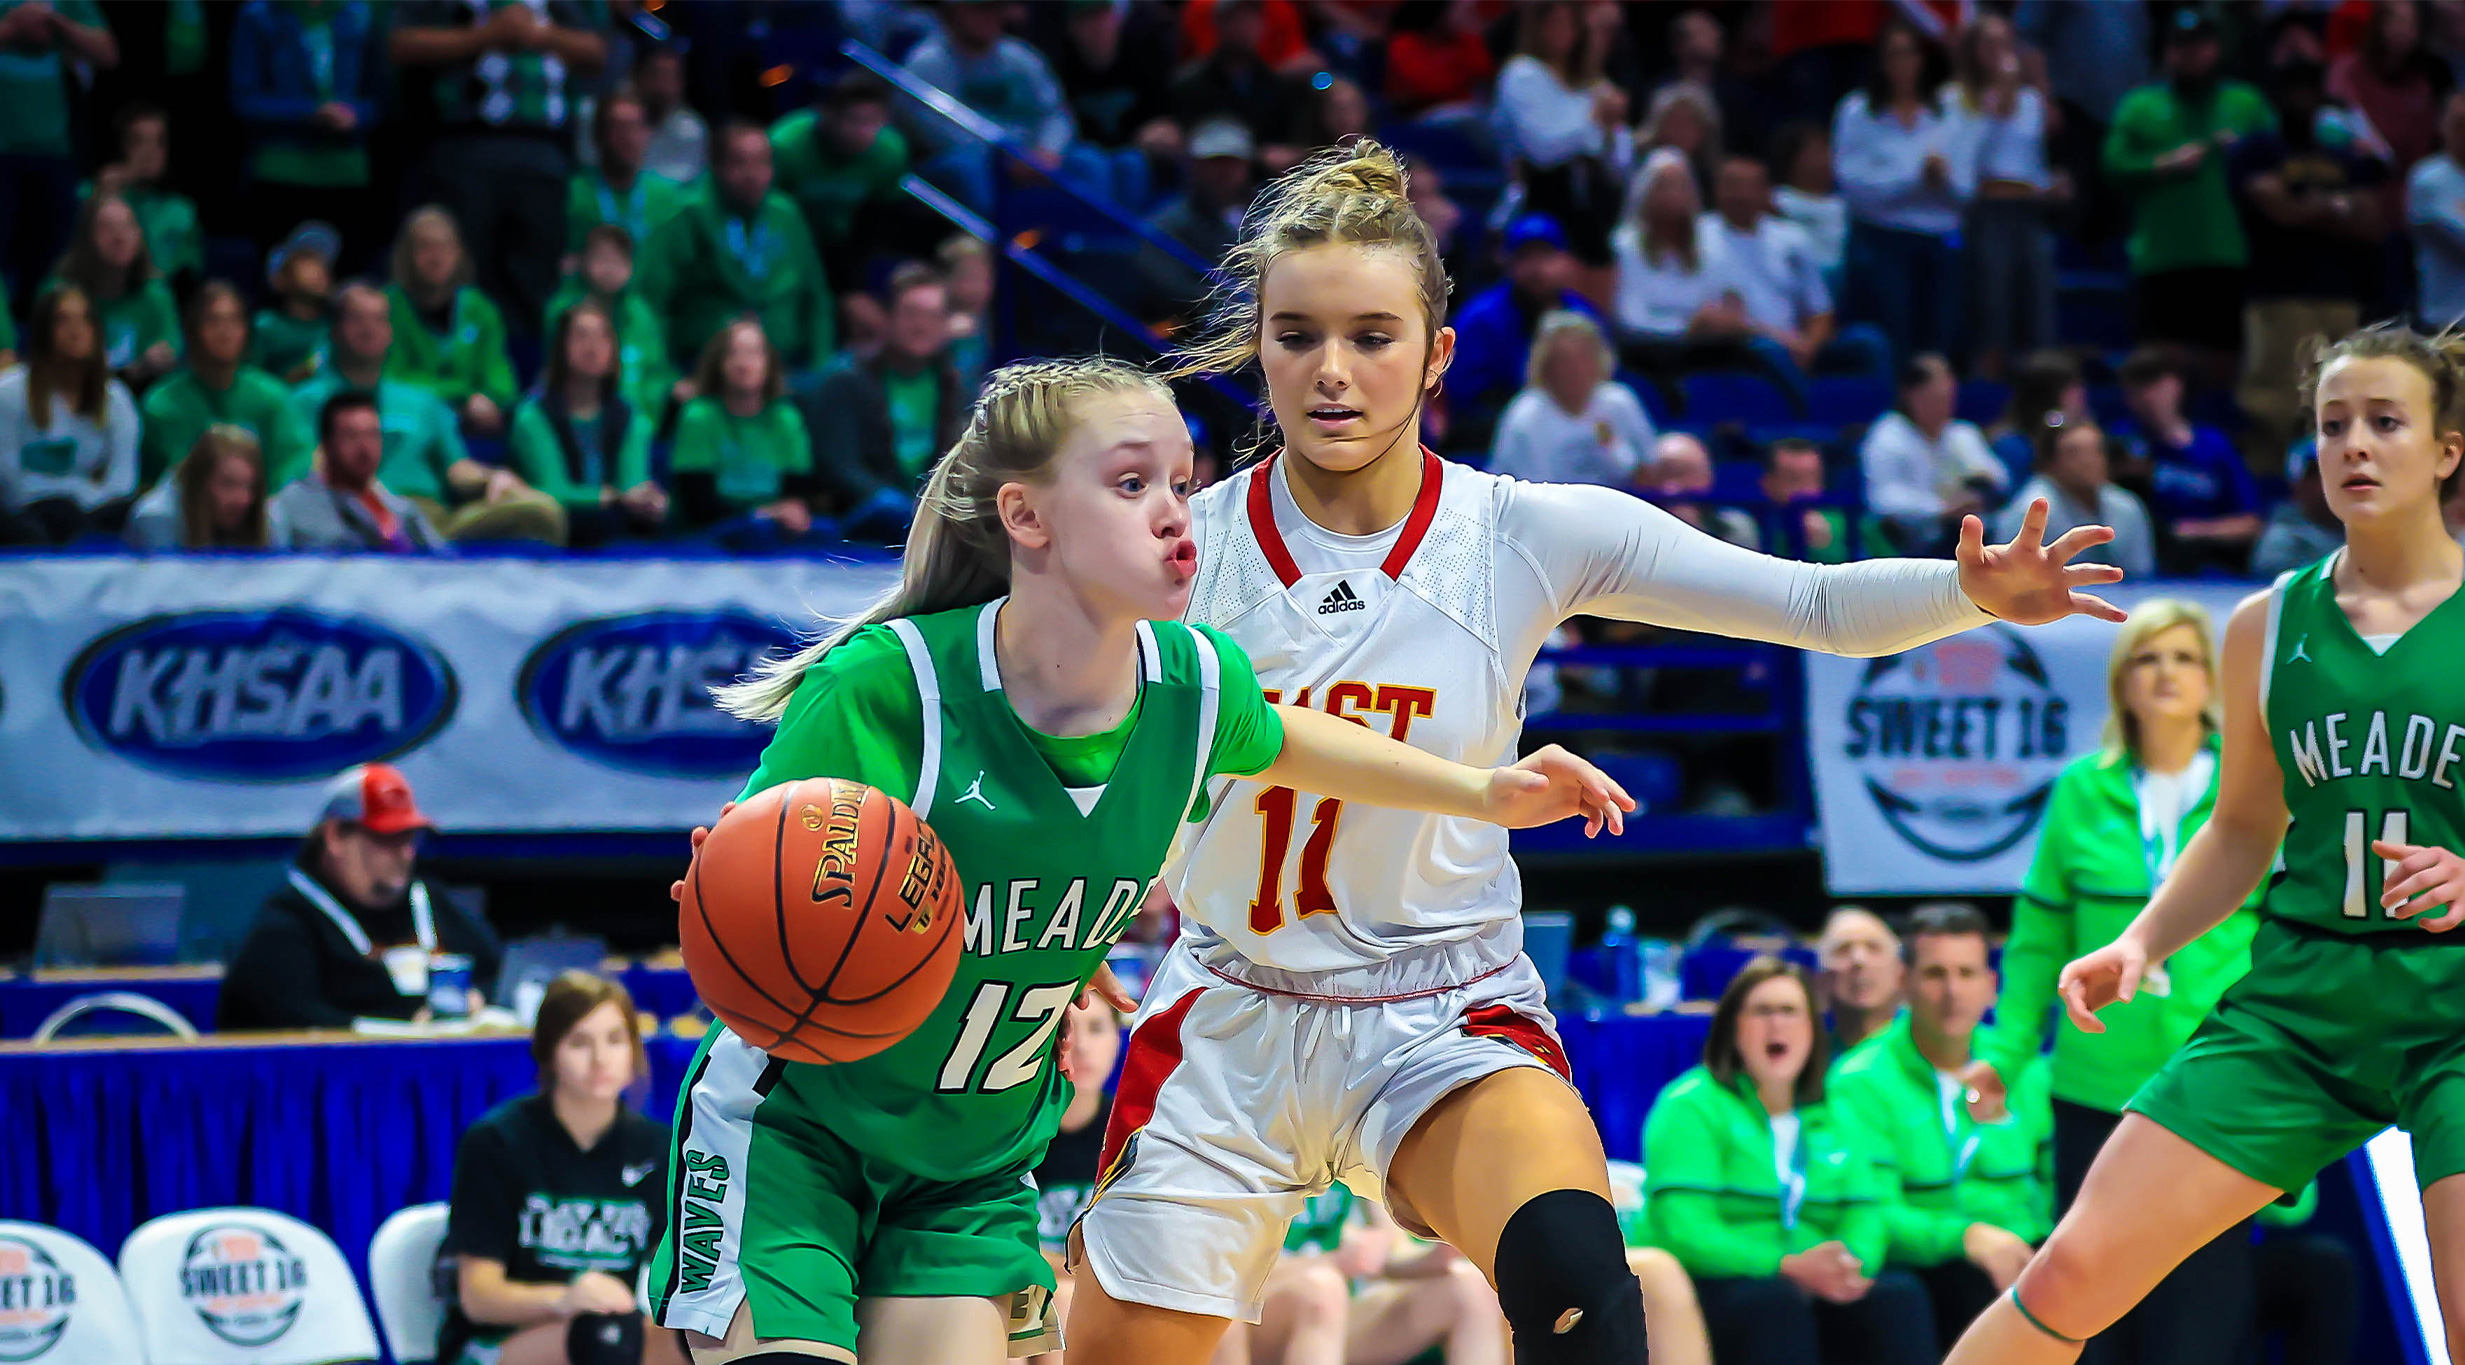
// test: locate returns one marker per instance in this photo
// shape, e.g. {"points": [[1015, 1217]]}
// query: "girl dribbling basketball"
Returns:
{"points": [[1013, 690], [1349, 998]]}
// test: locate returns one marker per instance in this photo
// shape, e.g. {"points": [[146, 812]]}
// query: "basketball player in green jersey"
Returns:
{"points": [[2344, 737], [1029, 690]]}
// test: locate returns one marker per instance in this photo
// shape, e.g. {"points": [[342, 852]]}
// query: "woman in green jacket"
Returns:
{"points": [[577, 440], [1760, 1192], [140, 321], [2113, 826], [448, 337]]}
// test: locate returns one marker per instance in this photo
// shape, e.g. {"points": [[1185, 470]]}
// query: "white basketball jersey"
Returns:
{"points": [[1397, 632]]}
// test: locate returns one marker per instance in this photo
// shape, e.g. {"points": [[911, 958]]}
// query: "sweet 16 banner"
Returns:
{"points": [[184, 698], [1932, 768]]}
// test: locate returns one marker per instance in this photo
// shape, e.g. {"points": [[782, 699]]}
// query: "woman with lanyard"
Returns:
{"points": [[2113, 827], [1753, 1184]]}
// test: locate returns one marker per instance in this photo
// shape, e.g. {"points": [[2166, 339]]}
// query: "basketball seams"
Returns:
{"points": [[880, 866], [778, 889], [711, 931], [953, 914]]}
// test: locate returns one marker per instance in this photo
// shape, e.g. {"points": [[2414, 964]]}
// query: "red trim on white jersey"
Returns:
{"points": [[1416, 525], [1500, 1021], [1155, 1053]]}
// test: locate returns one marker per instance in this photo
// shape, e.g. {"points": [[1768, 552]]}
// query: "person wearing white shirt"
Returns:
{"points": [[1925, 469], [2009, 247], [1907, 167], [1572, 423], [1809, 196], [1564, 126], [2435, 213], [1668, 289], [1773, 267], [68, 430], [2072, 478]]}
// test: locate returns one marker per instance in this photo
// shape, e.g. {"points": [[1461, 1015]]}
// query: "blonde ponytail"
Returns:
{"points": [[1355, 196], [957, 553]]}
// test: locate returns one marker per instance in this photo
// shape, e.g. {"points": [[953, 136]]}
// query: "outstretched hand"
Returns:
{"points": [[2420, 880], [1551, 784], [2029, 582]]}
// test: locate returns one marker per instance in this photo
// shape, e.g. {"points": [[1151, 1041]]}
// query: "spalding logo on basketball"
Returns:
{"points": [[244, 1283], [1958, 743], [36, 1297]]}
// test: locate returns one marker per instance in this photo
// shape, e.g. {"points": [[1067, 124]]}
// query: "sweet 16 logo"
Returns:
{"points": [[1958, 743], [36, 1299], [244, 1283]]}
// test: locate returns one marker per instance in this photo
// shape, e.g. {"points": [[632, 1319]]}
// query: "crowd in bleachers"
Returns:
{"points": [[1972, 253]]}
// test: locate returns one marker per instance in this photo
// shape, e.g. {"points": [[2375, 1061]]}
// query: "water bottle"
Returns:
{"points": [[1663, 979], [1620, 953]]}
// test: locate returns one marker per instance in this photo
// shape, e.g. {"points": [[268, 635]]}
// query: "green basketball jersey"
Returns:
{"points": [[1319, 1226], [1053, 874], [2371, 743]]}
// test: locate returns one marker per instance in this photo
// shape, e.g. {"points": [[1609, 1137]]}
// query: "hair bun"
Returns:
{"points": [[1366, 167]]}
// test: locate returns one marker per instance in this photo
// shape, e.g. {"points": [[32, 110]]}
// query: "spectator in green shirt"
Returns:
{"points": [[305, 83], [577, 440], [2166, 153], [645, 375], [835, 160], [38, 167], [1967, 1176], [880, 424], [108, 260], [2116, 820], [217, 387], [448, 337], [743, 465], [737, 246], [1763, 1191], [619, 189], [1793, 484], [168, 218], [289, 339], [424, 458]]}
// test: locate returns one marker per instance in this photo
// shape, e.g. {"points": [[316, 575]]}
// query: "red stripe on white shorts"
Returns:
{"points": [[1498, 1021], [1155, 1050]]}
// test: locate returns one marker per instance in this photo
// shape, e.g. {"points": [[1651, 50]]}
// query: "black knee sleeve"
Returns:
{"points": [[604, 1339], [1564, 1286]]}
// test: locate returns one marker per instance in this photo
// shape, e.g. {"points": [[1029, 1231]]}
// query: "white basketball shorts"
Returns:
{"points": [[1236, 1104]]}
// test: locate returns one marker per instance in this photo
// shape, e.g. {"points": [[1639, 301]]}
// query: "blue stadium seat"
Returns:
{"points": [[2105, 403], [1738, 482], [1846, 400], [1656, 780], [1982, 401], [1655, 400], [1734, 396]]}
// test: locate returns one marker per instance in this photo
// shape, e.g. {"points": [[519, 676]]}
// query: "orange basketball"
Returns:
{"points": [[821, 920]]}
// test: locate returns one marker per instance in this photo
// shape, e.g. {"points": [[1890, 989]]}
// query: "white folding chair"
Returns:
{"points": [[402, 1260], [71, 1308], [240, 1286]]}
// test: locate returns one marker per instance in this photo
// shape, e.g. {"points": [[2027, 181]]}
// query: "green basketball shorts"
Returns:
{"points": [[2329, 1040], [771, 1210]]}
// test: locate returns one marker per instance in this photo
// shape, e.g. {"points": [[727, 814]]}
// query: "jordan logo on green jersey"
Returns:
{"points": [[975, 793], [2298, 652]]}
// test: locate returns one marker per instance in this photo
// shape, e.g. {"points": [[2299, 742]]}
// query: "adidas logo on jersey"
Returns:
{"points": [[1342, 599]]}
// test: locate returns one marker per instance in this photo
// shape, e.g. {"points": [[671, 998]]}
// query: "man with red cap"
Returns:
{"points": [[352, 931]]}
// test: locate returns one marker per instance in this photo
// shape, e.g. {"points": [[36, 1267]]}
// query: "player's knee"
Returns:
{"points": [[1320, 1293], [604, 1339], [2061, 1287], [1563, 1283]]}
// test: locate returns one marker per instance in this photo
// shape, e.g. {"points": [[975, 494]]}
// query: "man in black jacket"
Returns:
{"points": [[351, 933], [878, 425]]}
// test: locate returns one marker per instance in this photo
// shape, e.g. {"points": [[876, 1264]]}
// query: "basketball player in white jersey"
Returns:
{"points": [[1349, 999]]}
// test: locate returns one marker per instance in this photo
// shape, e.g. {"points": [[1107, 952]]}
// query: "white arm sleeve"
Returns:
{"points": [[1599, 552]]}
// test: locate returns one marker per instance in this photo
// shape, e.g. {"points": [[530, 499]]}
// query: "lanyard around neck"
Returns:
{"points": [[423, 924]]}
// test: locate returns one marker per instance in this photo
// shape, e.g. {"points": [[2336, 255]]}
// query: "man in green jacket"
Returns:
{"points": [[1967, 1178], [836, 159], [2166, 152], [737, 246]]}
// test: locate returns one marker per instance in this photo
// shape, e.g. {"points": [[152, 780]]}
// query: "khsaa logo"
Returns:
{"points": [[244, 1283], [633, 691], [36, 1296], [257, 695], [1959, 742]]}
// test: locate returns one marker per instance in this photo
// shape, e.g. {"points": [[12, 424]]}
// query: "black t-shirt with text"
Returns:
{"points": [[1066, 1179], [526, 1196], [2306, 263]]}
